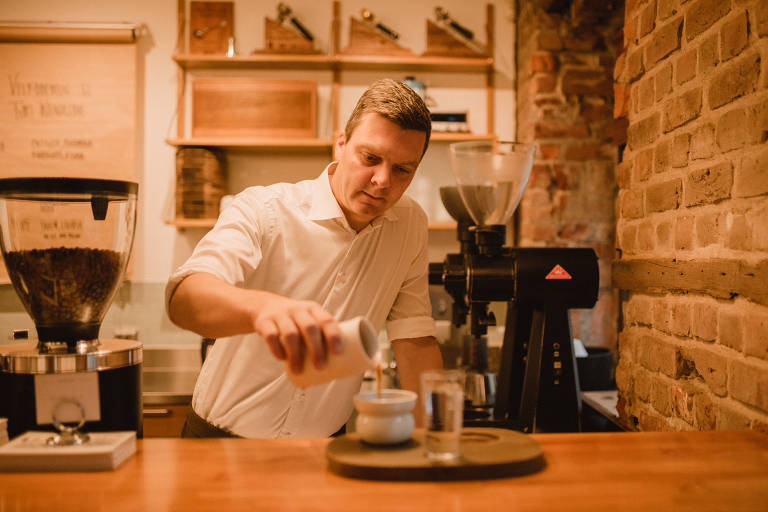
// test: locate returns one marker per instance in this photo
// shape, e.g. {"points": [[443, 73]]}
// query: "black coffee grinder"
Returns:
{"points": [[537, 386]]}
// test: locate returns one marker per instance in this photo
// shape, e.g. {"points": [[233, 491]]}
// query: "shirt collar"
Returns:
{"points": [[324, 205]]}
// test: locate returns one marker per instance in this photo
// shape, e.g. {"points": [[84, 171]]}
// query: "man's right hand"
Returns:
{"points": [[204, 304], [293, 328]]}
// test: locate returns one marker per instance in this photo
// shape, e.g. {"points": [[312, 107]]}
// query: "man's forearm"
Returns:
{"points": [[415, 355], [208, 306]]}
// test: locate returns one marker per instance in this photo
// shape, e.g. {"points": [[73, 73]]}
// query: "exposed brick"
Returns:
{"points": [[668, 8], [595, 112], [704, 324], [586, 82], [758, 122], [549, 151], [682, 109], [712, 368], [680, 147], [647, 19], [684, 233], [549, 40], [635, 67], [709, 228], [665, 40], [620, 66], [739, 233], [630, 30], [761, 19], [645, 94], [705, 412], [643, 385], [644, 132], [733, 36], [543, 83], [657, 356], [661, 157], [661, 312], [732, 130], [541, 176], [664, 239], [681, 319], [661, 396], [757, 342], [628, 239], [686, 66], [751, 178], [758, 220], [682, 403], [626, 346], [560, 130], [734, 80], [702, 14], [584, 152], [583, 39], [702, 142], [621, 101], [644, 164], [624, 175], [646, 241], [708, 55], [649, 421], [731, 417], [663, 196], [543, 63], [631, 202], [709, 185], [730, 330], [748, 382], [663, 81]]}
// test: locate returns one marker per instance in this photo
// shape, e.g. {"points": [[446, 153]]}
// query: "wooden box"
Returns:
{"points": [[211, 25], [242, 107], [200, 183]]}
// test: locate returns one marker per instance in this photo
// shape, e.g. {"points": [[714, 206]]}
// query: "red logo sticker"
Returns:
{"points": [[558, 272]]}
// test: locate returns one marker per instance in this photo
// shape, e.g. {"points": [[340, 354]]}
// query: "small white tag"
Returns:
{"points": [[52, 390]]}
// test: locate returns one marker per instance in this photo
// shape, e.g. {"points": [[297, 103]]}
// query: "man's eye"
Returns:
{"points": [[403, 170], [367, 157]]}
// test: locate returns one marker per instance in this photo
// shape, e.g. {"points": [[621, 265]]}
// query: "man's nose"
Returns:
{"points": [[382, 176]]}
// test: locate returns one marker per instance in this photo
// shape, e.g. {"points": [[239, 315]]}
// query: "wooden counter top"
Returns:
{"points": [[675, 471]]}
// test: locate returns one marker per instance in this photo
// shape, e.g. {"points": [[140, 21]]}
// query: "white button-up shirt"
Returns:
{"points": [[293, 240]]}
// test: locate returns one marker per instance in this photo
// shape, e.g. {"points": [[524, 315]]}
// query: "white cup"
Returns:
{"points": [[387, 419], [360, 346]]}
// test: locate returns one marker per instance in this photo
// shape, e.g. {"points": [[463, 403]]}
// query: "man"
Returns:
{"points": [[285, 263]]}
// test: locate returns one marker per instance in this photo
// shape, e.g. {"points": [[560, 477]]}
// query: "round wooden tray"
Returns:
{"points": [[485, 453]]}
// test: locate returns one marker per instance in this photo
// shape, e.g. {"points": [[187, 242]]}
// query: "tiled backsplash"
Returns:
{"points": [[137, 307]]}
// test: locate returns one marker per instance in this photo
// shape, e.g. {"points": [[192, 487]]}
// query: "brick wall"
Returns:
{"points": [[692, 215], [566, 53]]}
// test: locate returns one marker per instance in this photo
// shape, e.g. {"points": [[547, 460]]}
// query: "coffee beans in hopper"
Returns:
{"points": [[65, 285]]}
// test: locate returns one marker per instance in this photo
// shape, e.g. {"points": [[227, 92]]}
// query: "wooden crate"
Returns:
{"points": [[200, 183], [243, 107]]}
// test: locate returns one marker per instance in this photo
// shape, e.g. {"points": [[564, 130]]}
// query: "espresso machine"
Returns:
{"points": [[66, 243], [537, 387]]}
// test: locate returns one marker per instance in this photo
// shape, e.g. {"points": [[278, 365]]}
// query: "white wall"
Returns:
{"points": [[159, 248]]}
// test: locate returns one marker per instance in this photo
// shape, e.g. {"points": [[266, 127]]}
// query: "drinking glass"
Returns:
{"points": [[442, 396]]}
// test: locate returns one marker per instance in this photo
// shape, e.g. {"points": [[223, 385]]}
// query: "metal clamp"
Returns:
{"points": [[68, 435]]}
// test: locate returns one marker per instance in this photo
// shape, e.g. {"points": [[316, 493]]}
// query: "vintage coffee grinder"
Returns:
{"points": [[537, 385], [66, 243]]}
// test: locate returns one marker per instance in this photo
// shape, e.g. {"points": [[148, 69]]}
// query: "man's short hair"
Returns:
{"points": [[396, 102]]}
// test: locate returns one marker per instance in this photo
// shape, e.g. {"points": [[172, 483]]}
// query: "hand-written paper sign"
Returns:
{"points": [[67, 107], [68, 110]]}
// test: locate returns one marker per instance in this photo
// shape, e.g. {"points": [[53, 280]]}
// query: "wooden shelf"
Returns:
{"points": [[346, 62], [261, 143], [191, 223], [255, 61], [416, 63], [457, 137]]}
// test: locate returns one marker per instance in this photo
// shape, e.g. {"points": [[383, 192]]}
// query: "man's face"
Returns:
{"points": [[375, 167]]}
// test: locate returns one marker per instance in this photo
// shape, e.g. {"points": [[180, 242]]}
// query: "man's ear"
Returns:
{"points": [[339, 144]]}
